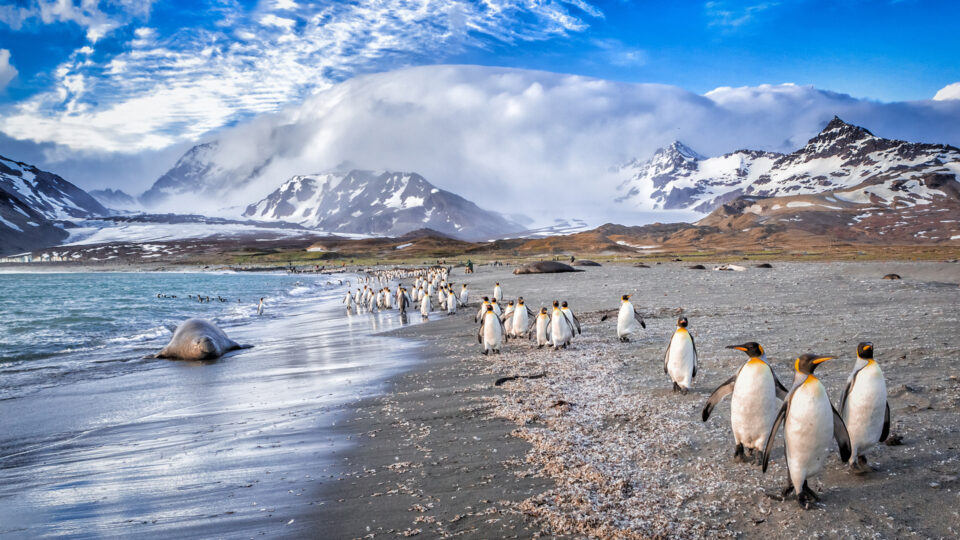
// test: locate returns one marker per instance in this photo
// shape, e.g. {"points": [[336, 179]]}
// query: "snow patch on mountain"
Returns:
{"points": [[848, 159], [376, 202]]}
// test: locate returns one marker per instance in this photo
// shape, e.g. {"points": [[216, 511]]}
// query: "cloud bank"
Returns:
{"points": [[541, 143], [7, 71]]}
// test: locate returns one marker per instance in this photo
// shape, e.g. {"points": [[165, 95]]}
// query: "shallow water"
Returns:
{"points": [[97, 440]]}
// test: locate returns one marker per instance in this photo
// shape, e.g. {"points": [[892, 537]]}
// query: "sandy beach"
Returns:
{"points": [[601, 447]]}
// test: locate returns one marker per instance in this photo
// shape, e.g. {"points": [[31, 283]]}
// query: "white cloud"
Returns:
{"points": [[256, 62], [732, 15], [535, 142], [7, 71], [86, 13], [950, 91]]}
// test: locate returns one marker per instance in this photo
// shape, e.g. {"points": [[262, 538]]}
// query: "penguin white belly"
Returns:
{"points": [[520, 322], [425, 306], [542, 324], [560, 330], [807, 432], [463, 297], [754, 405], [492, 333], [864, 410], [498, 294], [625, 321], [451, 304], [681, 359]]}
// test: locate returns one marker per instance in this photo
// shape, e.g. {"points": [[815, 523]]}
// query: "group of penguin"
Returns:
{"points": [[556, 328], [806, 414], [429, 283]]}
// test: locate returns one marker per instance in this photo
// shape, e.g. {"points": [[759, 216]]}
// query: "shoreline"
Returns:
{"points": [[601, 446]]}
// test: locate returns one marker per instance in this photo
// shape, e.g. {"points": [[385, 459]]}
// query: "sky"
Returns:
{"points": [[112, 92]]}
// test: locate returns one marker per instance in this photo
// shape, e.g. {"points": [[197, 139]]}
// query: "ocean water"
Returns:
{"points": [[98, 440]]}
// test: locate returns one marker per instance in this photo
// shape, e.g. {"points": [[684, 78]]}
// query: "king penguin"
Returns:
{"points": [[561, 333], [864, 407], [498, 292], [680, 360], [490, 333], [809, 423], [540, 328], [753, 407], [626, 318]]}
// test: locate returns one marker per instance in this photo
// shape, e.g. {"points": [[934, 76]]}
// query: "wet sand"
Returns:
{"points": [[601, 447], [170, 449]]}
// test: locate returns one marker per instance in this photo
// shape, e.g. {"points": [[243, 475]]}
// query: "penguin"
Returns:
{"points": [[680, 360], [403, 301], [864, 407], [490, 333], [452, 302], [540, 328], [348, 300], [483, 309], [260, 307], [464, 295], [521, 317], [625, 319], [571, 318], [753, 407], [507, 318], [497, 292], [425, 306], [496, 307], [809, 423], [561, 333]]}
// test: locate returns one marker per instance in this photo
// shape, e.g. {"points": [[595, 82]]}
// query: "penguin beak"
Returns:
{"points": [[737, 347], [822, 359]]}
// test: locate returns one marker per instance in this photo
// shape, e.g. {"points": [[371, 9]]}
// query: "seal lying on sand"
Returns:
{"points": [[545, 267], [198, 339]]}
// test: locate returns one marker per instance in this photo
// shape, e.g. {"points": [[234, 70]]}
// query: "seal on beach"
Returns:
{"points": [[198, 339], [753, 407], [585, 262], [809, 422], [864, 407], [680, 360], [892, 276], [545, 267]]}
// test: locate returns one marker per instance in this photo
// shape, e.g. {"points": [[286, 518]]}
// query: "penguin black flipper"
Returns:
{"points": [[886, 423], [780, 388], [841, 435], [717, 395], [846, 392], [781, 416], [480, 332], [695, 356], [666, 356], [576, 322], [639, 318], [530, 312]]}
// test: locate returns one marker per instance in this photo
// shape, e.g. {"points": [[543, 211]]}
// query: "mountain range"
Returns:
{"points": [[381, 203], [843, 159], [35, 206]]}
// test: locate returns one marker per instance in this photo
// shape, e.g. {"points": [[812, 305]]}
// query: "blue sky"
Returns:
{"points": [[121, 77]]}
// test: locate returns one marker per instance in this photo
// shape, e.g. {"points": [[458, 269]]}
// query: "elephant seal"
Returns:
{"points": [[587, 263], [545, 267], [198, 339]]}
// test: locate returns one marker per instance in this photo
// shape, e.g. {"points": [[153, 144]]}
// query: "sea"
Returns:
{"points": [[98, 439]]}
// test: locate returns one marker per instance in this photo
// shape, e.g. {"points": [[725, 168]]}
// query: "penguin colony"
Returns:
{"points": [[760, 405]]}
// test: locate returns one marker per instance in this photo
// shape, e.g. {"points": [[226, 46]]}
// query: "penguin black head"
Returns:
{"points": [[556, 303], [865, 350], [752, 348], [498, 283], [625, 297], [682, 323], [489, 307], [809, 362], [510, 303], [520, 301], [543, 311], [486, 298], [564, 304]]}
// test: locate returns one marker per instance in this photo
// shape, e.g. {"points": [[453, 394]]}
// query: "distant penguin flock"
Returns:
{"points": [[760, 405]]}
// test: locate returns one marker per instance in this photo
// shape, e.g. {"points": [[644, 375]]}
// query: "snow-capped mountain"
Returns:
{"points": [[387, 203], [115, 199], [201, 170], [848, 160], [31, 200]]}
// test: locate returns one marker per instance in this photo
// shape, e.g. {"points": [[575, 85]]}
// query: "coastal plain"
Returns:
{"points": [[600, 446]]}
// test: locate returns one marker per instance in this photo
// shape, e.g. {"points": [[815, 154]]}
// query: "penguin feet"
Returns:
{"points": [[738, 455], [860, 466], [807, 496], [624, 339], [486, 352], [787, 490], [676, 387], [684, 390]]}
